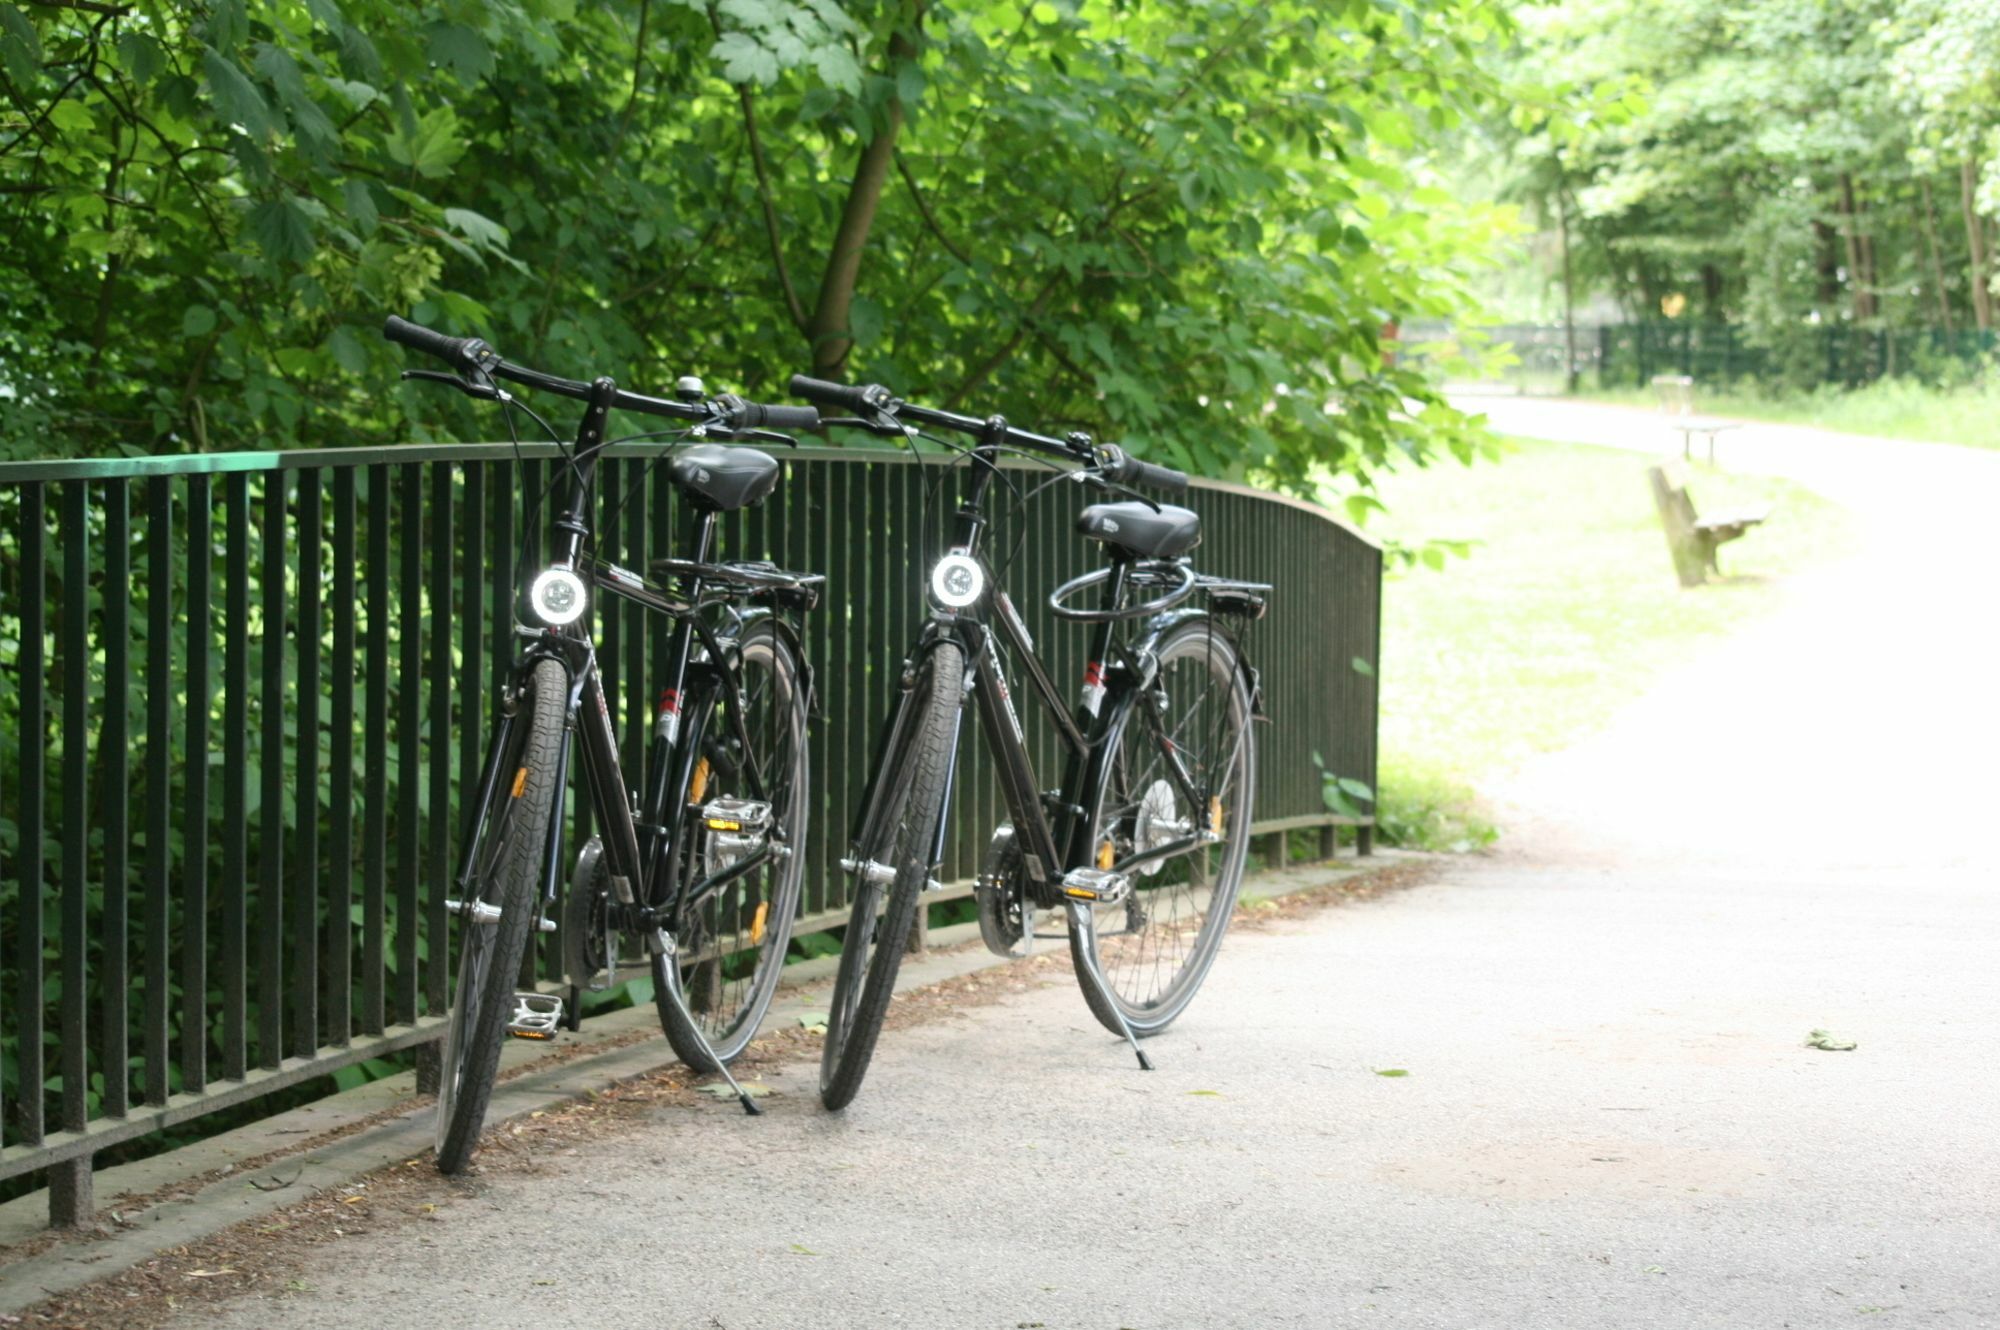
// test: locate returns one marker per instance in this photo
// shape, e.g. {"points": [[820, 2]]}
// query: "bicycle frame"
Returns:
{"points": [[1049, 846], [638, 837]]}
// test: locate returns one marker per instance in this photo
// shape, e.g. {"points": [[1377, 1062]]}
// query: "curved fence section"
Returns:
{"points": [[245, 690]]}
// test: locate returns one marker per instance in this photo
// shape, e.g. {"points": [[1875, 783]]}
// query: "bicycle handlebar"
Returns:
{"points": [[473, 355], [1108, 460]]}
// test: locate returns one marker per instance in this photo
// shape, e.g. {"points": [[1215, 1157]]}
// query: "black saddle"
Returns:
{"points": [[723, 479], [1140, 531]]}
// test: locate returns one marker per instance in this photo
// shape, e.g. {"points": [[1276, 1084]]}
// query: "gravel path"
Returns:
{"points": [[1609, 1119]]}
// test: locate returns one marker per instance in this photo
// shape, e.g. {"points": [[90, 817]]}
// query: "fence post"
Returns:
{"points": [[1603, 355], [72, 1198]]}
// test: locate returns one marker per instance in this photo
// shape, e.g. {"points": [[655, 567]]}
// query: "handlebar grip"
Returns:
{"points": [[848, 396], [764, 414], [1158, 477], [1120, 467], [460, 352]]}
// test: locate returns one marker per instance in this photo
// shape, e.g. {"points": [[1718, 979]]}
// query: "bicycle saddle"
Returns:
{"points": [[1140, 531], [723, 479]]}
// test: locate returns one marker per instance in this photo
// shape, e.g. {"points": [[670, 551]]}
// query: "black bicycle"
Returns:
{"points": [[1143, 844], [700, 869]]}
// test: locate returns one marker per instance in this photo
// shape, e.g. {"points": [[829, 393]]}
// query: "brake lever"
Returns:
{"points": [[487, 392], [890, 427]]}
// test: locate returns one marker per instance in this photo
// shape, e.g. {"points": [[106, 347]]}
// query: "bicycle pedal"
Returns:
{"points": [[536, 1016], [1096, 884]]}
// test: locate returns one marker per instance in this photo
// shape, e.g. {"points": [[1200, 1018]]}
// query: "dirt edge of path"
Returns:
{"points": [[268, 1254]]}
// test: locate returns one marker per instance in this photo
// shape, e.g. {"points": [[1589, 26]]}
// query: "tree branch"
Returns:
{"points": [[771, 230], [924, 210]]}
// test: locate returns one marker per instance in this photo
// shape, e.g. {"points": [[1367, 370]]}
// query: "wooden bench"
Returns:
{"points": [[1693, 540], [1676, 394]]}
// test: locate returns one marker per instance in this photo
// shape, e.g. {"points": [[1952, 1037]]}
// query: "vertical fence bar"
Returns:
{"points": [[159, 775], [116, 787], [409, 699], [235, 721], [271, 796], [472, 633], [69, 1182], [375, 725], [194, 816], [436, 870], [304, 907], [34, 741], [340, 774]]}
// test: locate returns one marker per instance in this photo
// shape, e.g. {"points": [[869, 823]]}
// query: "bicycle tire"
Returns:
{"points": [[1163, 907], [753, 915], [516, 828], [872, 951]]}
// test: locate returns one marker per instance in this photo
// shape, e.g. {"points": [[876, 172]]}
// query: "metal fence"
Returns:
{"points": [[244, 692], [1628, 355]]}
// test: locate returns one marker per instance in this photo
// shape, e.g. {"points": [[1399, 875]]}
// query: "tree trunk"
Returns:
{"points": [[828, 329], [1569, 296], [1929, 219], [1857, 259], [1975, 239]]}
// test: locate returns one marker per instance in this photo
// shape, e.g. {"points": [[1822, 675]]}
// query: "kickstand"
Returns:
{"points": [[1084, 924], [679, 1000]]}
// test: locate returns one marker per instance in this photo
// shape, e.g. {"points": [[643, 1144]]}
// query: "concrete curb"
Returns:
{"points": [[295, 1158]]}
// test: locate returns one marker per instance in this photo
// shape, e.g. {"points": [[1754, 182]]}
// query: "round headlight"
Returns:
{"points": [[957, 581], [557, 597]]}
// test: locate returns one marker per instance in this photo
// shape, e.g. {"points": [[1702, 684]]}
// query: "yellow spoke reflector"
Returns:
{"points": [[1105, 856], [1215, 816], [699, 785], [520, 781], [757, 923]]}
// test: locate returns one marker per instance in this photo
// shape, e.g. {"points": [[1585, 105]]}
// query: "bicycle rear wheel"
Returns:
{"points": [[1154, 948], [506, 871], [732, 941], [912, 778]]}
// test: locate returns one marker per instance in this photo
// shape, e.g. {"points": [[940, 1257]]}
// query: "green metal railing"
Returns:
{"points": [[245, 690]]}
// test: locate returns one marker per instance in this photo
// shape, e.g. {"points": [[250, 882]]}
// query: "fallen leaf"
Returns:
{"points": [[803, 1250], [211, 1274], [352, 1200], [1821, 1039], [1391, 1071], [815, 1021], [1213, 1094]]}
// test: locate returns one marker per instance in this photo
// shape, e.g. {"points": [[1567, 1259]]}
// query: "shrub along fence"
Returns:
{"points": [[245, 690]]}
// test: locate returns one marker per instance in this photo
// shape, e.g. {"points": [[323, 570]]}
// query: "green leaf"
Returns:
{"points": [[1824, 1040], [744, 59], [479, 230], [1391, 1071], [237, 99], [347, 351], [1213, 1094], [197, 321], [72, 116], [360, 205], [1360, 665], [433, 147], [864, 321], [461, 50], [1359, 789], [20, 47], [282, 231], [837, 69]]}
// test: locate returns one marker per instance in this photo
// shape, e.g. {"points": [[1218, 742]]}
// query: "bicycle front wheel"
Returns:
{"points": [[732, 940], [1182, 764], [513, 831], [896, 859]]}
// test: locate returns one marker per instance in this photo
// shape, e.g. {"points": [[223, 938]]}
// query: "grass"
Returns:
{"points": [[1565, 610], [1889, 408]]}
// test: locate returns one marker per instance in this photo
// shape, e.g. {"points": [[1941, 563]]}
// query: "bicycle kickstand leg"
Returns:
{"points": [[666, 948], [1084, 923]]}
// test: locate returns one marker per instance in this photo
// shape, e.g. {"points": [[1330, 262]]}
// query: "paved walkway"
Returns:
{"points": [[1609, 1120]]}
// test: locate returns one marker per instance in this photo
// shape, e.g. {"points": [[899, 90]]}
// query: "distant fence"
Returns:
{"points": [[245, 691], [1615, 355]]}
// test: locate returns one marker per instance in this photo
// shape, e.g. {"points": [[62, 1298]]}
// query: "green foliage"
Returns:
{"points": [[1779, 163], [1185, 224]]}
